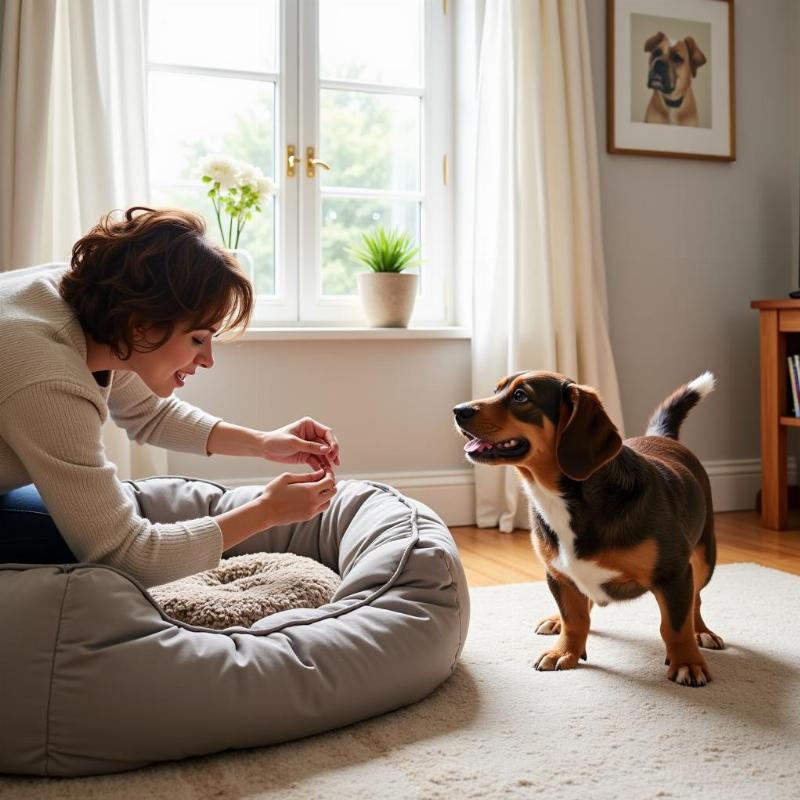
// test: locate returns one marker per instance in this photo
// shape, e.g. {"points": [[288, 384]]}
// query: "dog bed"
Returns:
{"points": [[246, 588], [96, 678]]}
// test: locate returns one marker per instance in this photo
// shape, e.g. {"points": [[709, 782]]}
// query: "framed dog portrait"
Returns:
{"points": [[670, 78]]}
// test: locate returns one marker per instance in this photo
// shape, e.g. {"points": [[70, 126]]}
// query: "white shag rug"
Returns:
{"points": [[613, 728]]}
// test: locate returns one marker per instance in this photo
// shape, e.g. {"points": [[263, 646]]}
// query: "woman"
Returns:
{"points": [[115, 333]]}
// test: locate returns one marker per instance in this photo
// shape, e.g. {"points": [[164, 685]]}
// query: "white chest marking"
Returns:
{"points": [[588, 576]]}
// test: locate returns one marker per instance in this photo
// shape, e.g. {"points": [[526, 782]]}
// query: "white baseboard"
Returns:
{"points": [[451, 493], [734, 484]]}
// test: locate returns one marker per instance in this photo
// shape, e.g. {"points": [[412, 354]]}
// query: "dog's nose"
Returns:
{"points": [[464, 412]]}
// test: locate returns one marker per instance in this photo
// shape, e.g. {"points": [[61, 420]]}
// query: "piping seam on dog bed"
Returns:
{"points": [[53, 676], [133, 481], [446, 561]]}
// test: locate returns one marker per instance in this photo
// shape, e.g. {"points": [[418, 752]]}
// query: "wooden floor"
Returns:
{"points": [[491, 557]]}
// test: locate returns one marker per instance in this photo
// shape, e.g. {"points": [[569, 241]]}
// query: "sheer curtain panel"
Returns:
{"points": [[539, 283]]}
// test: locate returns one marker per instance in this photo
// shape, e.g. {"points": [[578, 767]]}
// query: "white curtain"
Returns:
{"points": [[539, 276], [72, 139], [26, 66]]}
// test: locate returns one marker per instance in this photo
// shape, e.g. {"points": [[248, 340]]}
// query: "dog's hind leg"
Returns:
{"points": [[675, 598], [703, 558]]}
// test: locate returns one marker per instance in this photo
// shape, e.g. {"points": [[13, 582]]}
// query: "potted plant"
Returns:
{"points": [[387, 292]]}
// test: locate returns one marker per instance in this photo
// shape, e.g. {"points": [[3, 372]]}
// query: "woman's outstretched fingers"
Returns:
{"points": [[304, 477], [321, 481], [327, 486], [325, 435], [297, 497]]}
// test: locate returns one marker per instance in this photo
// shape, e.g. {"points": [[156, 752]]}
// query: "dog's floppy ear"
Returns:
{"points": [[696, 57], [586, 438], [651, 43]]}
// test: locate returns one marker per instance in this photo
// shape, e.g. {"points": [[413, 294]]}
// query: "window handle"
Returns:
{"points": [[312, 163], [291, 161]]}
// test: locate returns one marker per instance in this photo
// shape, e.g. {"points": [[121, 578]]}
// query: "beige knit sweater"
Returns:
{"points": [[51, 411]]}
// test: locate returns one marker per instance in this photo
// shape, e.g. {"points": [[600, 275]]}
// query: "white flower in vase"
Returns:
{"points": [[220, 169], [237, 191]]}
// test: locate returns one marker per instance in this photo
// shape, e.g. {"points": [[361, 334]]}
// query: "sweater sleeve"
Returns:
{"points": [[165, 422], [54, 429]]}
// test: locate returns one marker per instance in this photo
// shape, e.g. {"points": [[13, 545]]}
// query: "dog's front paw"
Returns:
{"points": [[709, 640], [692, 674], [557, 659], [549, 626]]}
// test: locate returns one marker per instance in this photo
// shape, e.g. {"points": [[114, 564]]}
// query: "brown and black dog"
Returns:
{"points": [[670, 73], [609, 519]]}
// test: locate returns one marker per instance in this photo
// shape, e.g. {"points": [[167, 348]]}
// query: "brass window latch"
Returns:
{"points": [[312, 163], [292, 160]]}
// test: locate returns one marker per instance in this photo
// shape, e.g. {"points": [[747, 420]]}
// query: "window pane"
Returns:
{"points": [[183, 129], [372, 42], [343, 221], [191, 116], [230, 34], [370, 140]]}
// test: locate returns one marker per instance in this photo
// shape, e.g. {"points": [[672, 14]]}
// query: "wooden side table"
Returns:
{"points": [[778, 318]]}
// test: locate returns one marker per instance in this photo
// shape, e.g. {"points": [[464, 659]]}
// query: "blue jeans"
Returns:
{"points": [[28, 534]]}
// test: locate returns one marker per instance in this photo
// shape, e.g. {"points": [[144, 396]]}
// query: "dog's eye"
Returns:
{"points": [[657, 52], [519, 396], [677, 59]]}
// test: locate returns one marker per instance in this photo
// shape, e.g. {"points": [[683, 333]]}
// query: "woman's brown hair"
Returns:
{"points": [[153, 269]]}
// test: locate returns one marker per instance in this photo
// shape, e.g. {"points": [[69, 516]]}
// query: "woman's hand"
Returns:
{"points": [[285, 499], [305, 441], [297, 498]]}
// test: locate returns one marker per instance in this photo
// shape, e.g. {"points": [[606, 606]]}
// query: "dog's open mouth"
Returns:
{"points": [[483, 450]]}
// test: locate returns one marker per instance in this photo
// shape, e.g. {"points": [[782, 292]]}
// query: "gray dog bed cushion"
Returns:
{"points": [[96, 678], [244, 589]]}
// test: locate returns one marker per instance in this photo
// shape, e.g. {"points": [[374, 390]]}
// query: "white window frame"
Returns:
{"points": [[297, 300]]}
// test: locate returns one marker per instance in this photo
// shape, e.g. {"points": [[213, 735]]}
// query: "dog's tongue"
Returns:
{"points": [[476, 444]]}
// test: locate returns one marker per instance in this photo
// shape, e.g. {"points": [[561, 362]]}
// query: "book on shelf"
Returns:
{"points": [[794, 382]]}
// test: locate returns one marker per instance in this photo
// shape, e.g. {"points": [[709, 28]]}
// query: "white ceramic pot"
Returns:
{"points": [[387, 298]]}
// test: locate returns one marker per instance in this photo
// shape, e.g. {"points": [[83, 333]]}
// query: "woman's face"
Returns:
{"points": [[168, 367]]}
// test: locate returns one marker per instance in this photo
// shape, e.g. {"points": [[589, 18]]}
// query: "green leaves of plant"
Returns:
{"points": [[387, 251]]}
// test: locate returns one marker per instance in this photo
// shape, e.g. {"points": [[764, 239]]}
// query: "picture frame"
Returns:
{"points": [[670, 78]]}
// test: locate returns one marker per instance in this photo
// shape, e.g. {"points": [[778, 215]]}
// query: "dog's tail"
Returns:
{"points": [[668, 417]]}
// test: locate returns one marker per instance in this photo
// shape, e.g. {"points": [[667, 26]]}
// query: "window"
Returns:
{"points": [[362, 87]]}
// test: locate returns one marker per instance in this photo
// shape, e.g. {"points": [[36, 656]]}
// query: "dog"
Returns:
{"points": [[610, 519], [672, 68]]}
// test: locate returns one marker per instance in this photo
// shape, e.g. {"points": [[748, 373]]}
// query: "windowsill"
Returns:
{"points": [[338, 333]]}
